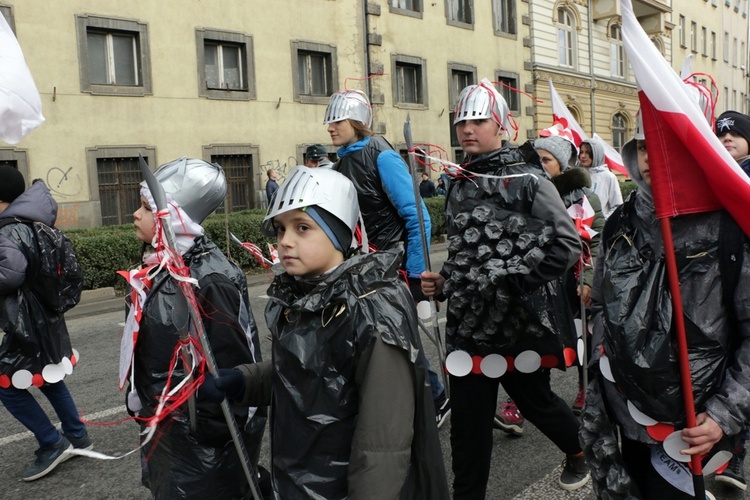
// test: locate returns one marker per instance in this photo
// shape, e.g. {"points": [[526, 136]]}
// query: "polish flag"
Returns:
{"points": [[583, 217], [561, 114], [20, 104], [691, 172]]}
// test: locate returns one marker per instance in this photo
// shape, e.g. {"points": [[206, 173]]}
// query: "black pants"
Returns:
{"points": [[473, 406], [637, 458]]}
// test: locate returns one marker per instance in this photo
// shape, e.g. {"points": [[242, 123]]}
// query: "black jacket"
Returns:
{"points": [[35, 336], [201, 464]]}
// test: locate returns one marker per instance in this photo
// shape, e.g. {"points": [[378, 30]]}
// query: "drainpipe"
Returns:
{"points": [[366, 58], [591, 67]]}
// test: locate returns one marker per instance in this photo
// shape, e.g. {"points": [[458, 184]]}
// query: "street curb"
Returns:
{"points": [[104, 300]]}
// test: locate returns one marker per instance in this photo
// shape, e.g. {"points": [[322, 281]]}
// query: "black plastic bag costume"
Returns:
{"points": [[499, 299], [322, 330]]}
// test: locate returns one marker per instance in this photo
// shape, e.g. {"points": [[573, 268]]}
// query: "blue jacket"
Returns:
{"points": [[385, 191]]}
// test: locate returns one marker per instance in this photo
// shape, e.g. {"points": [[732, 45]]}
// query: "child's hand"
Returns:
{"points": [[703, 436], [230, 383], [432, 283]]}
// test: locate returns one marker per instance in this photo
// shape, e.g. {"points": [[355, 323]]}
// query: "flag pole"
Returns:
{"points": [[682, 350]]}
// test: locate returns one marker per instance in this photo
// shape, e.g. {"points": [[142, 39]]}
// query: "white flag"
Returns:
{"points": [[20, 104]]}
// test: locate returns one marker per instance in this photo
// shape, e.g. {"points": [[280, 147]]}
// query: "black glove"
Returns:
{"points": [[229, 384]]}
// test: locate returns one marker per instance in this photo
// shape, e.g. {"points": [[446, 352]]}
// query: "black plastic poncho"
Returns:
{"points": [[321, 330]]}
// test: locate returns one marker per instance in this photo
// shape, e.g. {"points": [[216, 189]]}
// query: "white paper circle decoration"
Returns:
{"points": [[52, 374], [579, 327], [639, 416], [67, 365], [605, 368], [423, 310], [77, 355], [459, 363], [494, 365], [717, 461], [21, 379], [581, 346], [528, 362], [674, 444]]}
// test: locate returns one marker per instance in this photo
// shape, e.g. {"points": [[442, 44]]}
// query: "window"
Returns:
{"points": [[508, 88], [225, 65], [461, 76], [734, 53], [407, 7], [114, 56], [243, 174], [7, 12], [17, 159], [704, 41], [726, 47], [565, 37], [619, 131], [713, 45], [658, 44], [694, 36], [726, 98], [743, 55], [460, 13], [616, 51], [734, 99], [681, 31], [409, 82], [115, 177], [504, 16], [314, 71]]}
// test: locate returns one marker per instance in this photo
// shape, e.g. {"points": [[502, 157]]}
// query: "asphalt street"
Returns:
{"points": [[522, 468]]}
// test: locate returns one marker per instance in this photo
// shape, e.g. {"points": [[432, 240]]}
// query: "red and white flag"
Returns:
{"points": [[583, 218], [20, 104], [561, 114], [690, 170]]}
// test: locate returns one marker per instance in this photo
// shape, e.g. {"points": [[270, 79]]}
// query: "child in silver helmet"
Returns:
{"points": [[345, 340]]}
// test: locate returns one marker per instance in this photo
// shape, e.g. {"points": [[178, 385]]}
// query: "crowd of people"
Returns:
{"points": [[538, 235]]}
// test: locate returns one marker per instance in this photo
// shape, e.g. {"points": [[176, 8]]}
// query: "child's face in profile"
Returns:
{"points": [[143, 218], [304, 248]]}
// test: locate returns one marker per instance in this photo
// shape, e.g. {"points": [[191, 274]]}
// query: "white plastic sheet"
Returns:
{"points": [[20, 104]]}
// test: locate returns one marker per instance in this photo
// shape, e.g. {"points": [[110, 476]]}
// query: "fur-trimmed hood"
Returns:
{"points": [[571, 179]]}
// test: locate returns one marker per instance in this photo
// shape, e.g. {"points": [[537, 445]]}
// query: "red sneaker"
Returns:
{"points": [[509, 419]]}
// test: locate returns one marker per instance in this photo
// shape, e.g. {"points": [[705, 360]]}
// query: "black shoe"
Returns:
{"points": [[575, 473], [442, 410], [47, 459], [734, 474], [80, 443]]}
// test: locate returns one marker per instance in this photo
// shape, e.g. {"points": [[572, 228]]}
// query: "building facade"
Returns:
{"points": [[245, 84]]}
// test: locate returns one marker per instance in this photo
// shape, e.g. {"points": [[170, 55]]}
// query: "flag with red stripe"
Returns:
{"points": [[561, 114], [690, 170]]}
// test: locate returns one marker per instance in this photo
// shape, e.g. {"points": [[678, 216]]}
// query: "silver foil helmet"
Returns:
{"points": [[478, 102], [349, 105], [197, 186], [322, 187]]}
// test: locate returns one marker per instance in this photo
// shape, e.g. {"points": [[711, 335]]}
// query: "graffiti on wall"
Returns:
{"points": [[282, 169], [62, 182]]}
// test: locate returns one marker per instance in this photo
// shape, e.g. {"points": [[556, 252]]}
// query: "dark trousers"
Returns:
{"points": [[474, 402], [25, 408], [637, 458]]}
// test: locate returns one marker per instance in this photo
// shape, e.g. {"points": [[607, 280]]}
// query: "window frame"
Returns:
{"points": [[694, 37], [330, 53], [240, 149], [7, 12], [20, 156], [704, 41], [513, 18], [622, 131], [137, 29], [616, 47], [416, 12], [570, 30], [726, 47], [681, 29], [399, 60], [501, 75], [245, 42], [713, 45], [454, 68], [103, 152], [455, 22]]}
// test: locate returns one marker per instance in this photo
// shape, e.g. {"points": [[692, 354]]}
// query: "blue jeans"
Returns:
{"points": [[436, 386], [25, 408]]}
